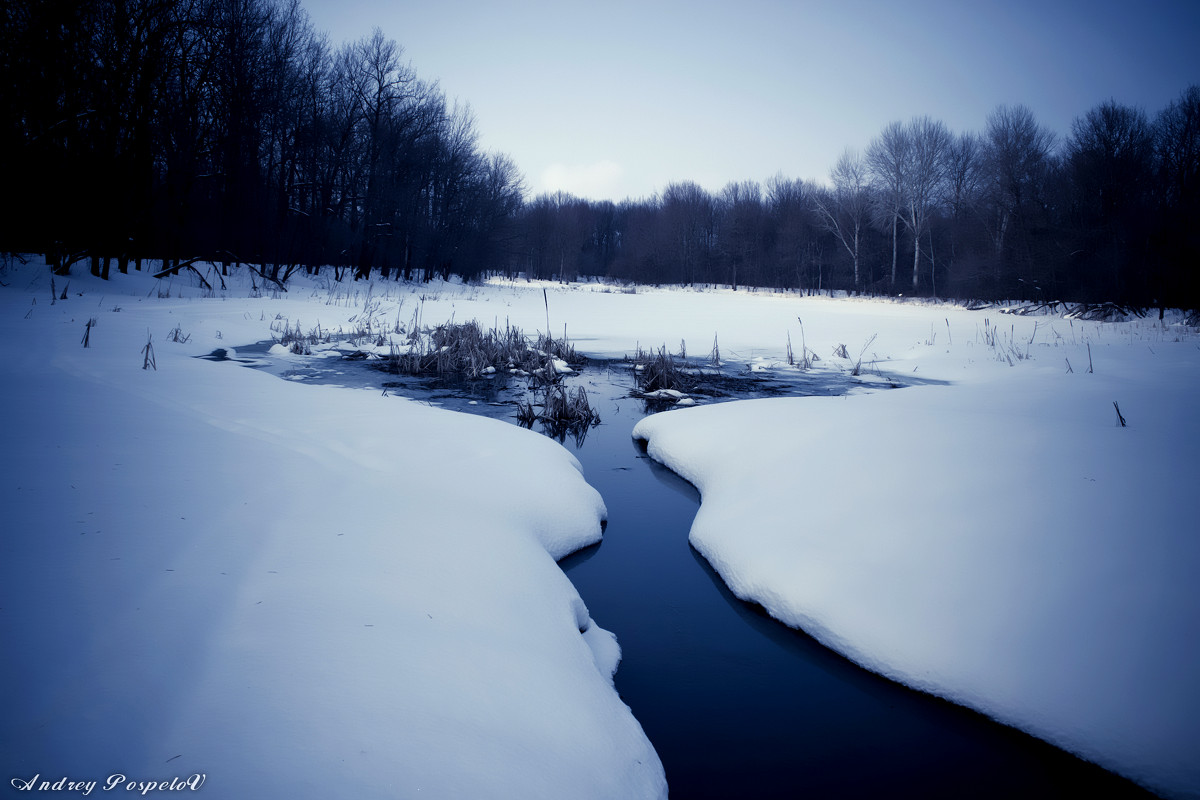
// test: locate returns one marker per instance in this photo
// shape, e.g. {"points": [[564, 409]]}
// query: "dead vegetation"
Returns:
{"points": [[857, 370], [661, 370], [807, 357], [148, 361], [467, 351], [296, 340], [560, 412]]}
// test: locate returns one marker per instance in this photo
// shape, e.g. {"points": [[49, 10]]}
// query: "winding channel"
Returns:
{"points": [[735, 703]]}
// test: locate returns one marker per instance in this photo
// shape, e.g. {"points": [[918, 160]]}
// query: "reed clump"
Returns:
{"points": [[568, 408], [295, 339], [655, 371], [560, 411], [561, 349], [466, 350]]}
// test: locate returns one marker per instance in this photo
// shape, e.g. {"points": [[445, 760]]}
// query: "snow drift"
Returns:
{"points": [[294, 590], [1002, 543]]}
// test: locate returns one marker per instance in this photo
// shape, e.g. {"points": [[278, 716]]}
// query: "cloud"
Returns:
{"points": [[596, 181]]}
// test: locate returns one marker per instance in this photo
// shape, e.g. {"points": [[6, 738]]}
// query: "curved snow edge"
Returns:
{"points": [[1077, 625]]}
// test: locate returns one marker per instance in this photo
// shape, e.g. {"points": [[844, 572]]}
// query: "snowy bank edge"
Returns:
{"points": [[671, 439], [74, 387]]}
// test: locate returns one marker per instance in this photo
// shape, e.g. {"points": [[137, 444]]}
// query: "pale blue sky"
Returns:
{"points": [[617, 99]]}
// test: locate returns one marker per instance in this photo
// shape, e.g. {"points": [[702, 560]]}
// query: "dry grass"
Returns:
{"points": [[563, 408], [467, 351], [558, 348], [660, 370], [858, 364], [561, 412], [294, 339]]}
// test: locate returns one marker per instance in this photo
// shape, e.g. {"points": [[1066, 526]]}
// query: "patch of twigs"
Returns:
{"points": [[1105, 312], [654, 371], [560, 412], [148, 353], [466, 350]]}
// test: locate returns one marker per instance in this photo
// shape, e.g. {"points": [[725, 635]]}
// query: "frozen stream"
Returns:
{"points": [[736, 704]]}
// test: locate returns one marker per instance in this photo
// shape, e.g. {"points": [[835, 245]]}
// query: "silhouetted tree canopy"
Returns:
{"points": [[1111, 212], [232, 131]]}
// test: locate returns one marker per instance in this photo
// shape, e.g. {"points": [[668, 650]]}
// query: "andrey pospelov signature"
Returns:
{"points": [[115, 781]]}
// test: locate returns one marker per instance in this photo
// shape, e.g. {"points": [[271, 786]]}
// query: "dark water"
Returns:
{"points": [[736, 704]]}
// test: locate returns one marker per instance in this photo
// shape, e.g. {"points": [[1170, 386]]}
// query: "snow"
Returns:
{"points": [[663, 394], [288, 588], [1001, 542], [328, 591]]}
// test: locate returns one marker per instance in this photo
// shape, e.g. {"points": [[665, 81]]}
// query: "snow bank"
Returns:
{"points": [[1001, 542], [323, 591], [291, 589]]}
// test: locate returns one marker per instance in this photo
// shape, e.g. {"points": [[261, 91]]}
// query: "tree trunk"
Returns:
{"points": [[855, 254], [932, 265], [895, 245], [916, 256]]}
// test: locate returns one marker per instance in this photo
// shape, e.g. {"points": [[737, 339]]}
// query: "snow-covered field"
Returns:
{"points": [[319, 591], [293, 590]]}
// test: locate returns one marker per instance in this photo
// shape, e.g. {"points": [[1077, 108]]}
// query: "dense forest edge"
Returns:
{"points": [[232, 132]]}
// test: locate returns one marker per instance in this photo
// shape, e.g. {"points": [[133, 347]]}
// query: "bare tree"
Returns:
{"points": [[790, 206], [1177, 141], [963, 186], [924, 171], [741, 237], [557, 231], [1110, 163], [1018, 156], [842, 210], [1177, 145], [887, 157], [688, 212], [499, 193], [382, 87]]}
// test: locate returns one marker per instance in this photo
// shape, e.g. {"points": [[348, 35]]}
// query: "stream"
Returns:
{"points": [[736, 703]]}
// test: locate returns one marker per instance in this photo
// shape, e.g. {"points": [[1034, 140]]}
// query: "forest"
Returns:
{"points": [[231, 131]]}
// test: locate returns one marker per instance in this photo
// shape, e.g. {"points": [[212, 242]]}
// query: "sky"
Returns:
{"points": [[617, 100]]}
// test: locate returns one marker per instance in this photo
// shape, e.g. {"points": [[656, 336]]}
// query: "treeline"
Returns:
{"points": [[230, 130], [1109, 213]]}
